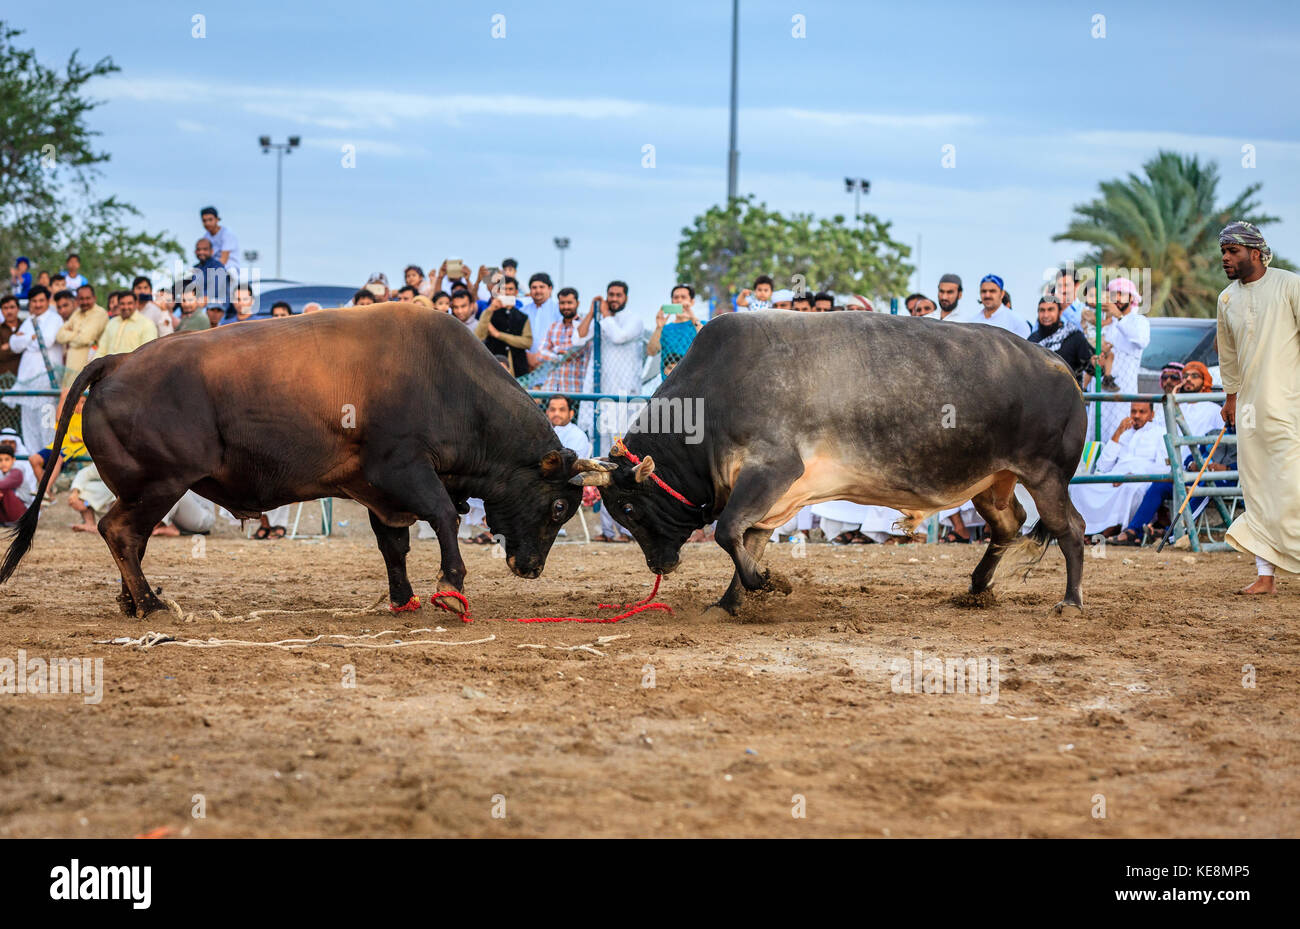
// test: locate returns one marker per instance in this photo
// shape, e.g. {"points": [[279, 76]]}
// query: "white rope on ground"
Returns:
{"points": [[215, 615], [153, 639]]}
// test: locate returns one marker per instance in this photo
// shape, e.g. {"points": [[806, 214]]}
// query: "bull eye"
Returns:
{"points": [[558, 510], [628, 509]]}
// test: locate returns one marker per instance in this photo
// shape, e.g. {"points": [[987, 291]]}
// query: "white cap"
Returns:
{"points": [[782, 296]]}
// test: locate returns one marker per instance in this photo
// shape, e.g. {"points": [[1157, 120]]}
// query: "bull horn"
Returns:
{"points": [[598, 478], [593, 464]]}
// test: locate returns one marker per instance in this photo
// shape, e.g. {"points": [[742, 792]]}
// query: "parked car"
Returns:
{"points": [[297, 295], [1178, 339]]}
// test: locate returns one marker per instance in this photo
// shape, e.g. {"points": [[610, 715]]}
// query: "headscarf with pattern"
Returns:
{"points": [[1247, 234]]}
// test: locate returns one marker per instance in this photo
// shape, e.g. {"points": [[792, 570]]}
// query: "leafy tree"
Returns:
{"points": [[729, 246], [48, 165], [1167, 220]]}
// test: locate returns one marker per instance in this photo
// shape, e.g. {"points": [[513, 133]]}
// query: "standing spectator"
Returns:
{"points": [[823, 303], [559, 410], [144, 306], [311, 307], [42, 355], [1066, 289], [65, 304], [541, 310], [783, 300], [909, 303], [803, 303], [1062, 337], [244, 304], [949, 297], [923, 306], [462, 307], [280, 310], [125, 332], [563, 337], [58, 284], [995, 312], [415, 278], [113, 296], [407, 294], [1125, 335], [194, 317], [670, 340], [72, 273], [364, 297], [225, 247], [506, 330], [16, 490], [8, 357], [80, 333], [760, 298], [450, 282], [377, 284], [20, 278]]}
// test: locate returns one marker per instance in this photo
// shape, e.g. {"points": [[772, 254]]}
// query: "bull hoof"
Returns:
{"points": [[152, 605], [777, 583], [730, 607], [126, 604], [1064, 604]]}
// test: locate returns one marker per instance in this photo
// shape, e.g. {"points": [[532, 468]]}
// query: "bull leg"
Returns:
{"points": [[394, 544], [757, 490], [755, 542], [126, 530], [418, 489], [1056, 512], [1004, 515]]}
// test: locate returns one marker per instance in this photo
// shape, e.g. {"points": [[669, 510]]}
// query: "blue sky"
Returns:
{"points": [[479, 147]]}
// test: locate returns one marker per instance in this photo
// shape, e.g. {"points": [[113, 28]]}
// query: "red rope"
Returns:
{"points": [[627, 453], [629, 609]]}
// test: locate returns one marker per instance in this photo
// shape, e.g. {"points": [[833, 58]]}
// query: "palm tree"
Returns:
{"points": [[1167, 221]]}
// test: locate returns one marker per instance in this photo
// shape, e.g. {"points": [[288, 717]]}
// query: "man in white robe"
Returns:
{"points": [[1259, 358], [1136, 447]]}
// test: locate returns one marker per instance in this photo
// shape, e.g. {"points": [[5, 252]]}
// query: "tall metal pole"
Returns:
{"points": [[733, 156], [279, 173]]}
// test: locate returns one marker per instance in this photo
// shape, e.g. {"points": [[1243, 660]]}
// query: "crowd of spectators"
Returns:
{"points": [[546, 340]]}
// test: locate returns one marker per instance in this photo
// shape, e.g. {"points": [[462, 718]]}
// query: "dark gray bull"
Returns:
{"points": [[397, 406], [799, 408]]}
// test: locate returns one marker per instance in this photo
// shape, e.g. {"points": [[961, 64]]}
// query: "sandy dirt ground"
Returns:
{"points": [[785, 721]]}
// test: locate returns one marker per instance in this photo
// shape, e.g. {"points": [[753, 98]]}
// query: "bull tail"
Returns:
{"points": [[20, 539], [1032, 547]]}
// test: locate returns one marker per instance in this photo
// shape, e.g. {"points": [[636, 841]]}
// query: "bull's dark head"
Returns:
{"points": [[530, 508], [659, 522]]}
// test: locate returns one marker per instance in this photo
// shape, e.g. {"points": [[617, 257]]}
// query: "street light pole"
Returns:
{"points": [[733, 156], [561, 243], [281, 149], [857, 186]]}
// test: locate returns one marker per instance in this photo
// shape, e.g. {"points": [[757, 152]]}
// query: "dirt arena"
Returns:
{"points": [[1138, 703]]}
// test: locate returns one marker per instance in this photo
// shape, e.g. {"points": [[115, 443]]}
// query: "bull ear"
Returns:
{"points": [[593, 464], [552, 465], [644, 469], [592, 479]]}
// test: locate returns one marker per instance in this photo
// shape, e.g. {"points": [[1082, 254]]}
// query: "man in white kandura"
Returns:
{"points": [[1136, 447], [1259, 358]]}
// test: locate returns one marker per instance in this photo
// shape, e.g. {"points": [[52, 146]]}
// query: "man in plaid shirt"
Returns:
{"points": [[563, 337]]}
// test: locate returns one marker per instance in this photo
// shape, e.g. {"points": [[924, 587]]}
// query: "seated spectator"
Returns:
{"points": [[823, 303], [9, 359], [364, 297], [1204, 417], [128, 330], [80, 333], [191, 514], [280, 310], [407, 293], [1143, 525], [20, 278], [803, 303], [996, 310], [564, 336], [211, 277], [783, 300], [1136, 447], [760, 298], [90, 497], [560, 411], [506, 330], [671, 339], [923, 306], [73, 447], [1061, 336], [17, 489]]}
